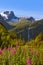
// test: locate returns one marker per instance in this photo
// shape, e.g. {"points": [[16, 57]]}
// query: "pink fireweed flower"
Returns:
{"points": [[36, 53], [13, 51], [32, 62], [5, 49], [28, 61], [0, 51], [9, 48], [31, 52], [16, 44], [28, 64]]}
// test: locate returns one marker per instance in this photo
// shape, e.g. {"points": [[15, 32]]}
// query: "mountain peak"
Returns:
{"points": [[11, 13], [9, 16]]}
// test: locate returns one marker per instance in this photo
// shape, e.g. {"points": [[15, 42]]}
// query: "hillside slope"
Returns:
{"points": [[7, 26], [36, 28]]}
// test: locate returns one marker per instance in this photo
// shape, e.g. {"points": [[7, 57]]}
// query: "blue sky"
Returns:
{"points": [[23, 8]]}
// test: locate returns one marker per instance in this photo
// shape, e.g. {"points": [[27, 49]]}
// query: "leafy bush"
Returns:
{"points": [[39, 37]]}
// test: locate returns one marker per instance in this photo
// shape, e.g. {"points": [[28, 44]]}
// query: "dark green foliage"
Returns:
{"points": [[37, 42], [8, 38]]}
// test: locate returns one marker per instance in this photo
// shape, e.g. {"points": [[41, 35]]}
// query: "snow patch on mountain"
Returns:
{"points": [[4, 15]]}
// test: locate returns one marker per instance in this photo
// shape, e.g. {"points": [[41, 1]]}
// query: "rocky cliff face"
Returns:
{"points": [[9, 16]]}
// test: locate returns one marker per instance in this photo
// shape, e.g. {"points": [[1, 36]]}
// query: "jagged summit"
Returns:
{"points": [[9, 16]]}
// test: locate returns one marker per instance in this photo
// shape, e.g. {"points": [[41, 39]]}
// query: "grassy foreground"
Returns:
{"points": [[21, 55]]}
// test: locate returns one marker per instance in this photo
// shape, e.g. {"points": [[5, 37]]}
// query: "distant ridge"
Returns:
{"points": [[9, 16]]}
